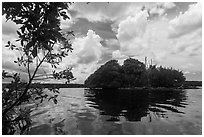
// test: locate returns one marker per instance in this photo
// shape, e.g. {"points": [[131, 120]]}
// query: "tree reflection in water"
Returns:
{"points": [[135, 104]]}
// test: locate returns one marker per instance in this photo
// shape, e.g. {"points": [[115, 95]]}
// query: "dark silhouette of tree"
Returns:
{"points": [[133, 73], [165, 77], [107, 76], [39, 33]]}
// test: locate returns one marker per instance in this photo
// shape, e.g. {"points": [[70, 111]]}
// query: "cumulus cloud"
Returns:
{"points": [[186, 22], [88, 49], [138, 37], [130, 34], [111, 44], [84, 59], [117, 55]]}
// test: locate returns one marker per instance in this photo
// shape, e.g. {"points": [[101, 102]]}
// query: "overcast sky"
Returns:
{"points": [[168, 33]]}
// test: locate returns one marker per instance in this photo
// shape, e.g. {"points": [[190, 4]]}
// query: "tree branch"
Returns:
{"points": [[27, 87], [28, 69]]}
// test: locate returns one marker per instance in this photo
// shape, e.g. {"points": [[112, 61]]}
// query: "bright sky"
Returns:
{"points": [[168, 33]]}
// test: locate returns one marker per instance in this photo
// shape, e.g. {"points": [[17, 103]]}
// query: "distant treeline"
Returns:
{"points": [[52, 85], [187, 84], [192, 84]]}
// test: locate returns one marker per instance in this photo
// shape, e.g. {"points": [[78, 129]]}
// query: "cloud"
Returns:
{"points": [[111, 44], [103, 29], [194, 76], [9, 56], [84, 59], [8, 27], [83, 71], [167, 5], [88, 49], [106, 56], [161, 7], [186, 22], [117, 55], [117, 11], [103, 11], [139, 38], [190, 44], [130, 34]]}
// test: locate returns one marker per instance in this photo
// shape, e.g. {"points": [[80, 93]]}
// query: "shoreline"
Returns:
{"points": [[187, 85]]}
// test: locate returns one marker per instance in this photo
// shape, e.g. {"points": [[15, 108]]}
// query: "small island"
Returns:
{"points": [[134, 74]]}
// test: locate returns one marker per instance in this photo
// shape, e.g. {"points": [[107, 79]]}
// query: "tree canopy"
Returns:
{"points": [[133, 73], [107, 76], [165, 77]]}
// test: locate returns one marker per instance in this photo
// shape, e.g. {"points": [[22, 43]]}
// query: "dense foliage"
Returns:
{"points": [[107, 76], [165, 77], [134, 73], [38, 34]]}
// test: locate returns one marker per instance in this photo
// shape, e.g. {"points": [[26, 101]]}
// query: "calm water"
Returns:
{"points": [[83, 111]]}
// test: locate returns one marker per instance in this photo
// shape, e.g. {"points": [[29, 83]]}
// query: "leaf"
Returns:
{"points": [[18, 33], [18, 21], [15, 62], [55, 101], [46, 46], [55, 96], [37, 98], [22, 43], [30, 44], [45, 96], [23, 28]]}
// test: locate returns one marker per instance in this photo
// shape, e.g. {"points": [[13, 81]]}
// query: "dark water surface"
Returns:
{"points": [[97, 112]]}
